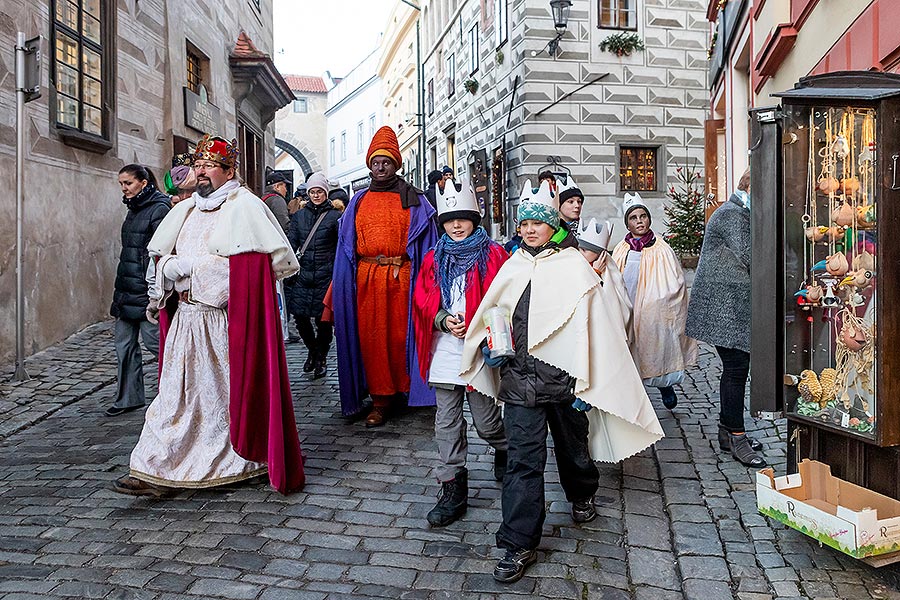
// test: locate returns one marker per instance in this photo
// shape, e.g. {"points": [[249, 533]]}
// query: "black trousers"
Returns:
{"points": [[523, 487], [317, 338], [732, 384]]}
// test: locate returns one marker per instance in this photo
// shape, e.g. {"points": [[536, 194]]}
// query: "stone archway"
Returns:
{"points": [[296, 155]]}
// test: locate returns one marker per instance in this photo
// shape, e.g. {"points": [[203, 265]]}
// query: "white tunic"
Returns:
{"points": [[186, 440], [448, 348]]}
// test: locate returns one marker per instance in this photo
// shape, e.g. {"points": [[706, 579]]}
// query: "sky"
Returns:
{"points": [[312, 36]]}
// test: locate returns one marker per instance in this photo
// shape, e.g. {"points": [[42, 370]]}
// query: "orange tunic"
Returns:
{"points": [[382, 300]]}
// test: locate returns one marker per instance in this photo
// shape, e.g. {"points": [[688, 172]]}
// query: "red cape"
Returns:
{"points": [[427, 300], [261, 409]]}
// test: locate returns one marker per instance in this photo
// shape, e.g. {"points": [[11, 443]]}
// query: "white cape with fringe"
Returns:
{"points": [[575, 325]]}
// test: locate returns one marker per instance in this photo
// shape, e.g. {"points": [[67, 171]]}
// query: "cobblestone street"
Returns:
{"points": [[674, 522]]}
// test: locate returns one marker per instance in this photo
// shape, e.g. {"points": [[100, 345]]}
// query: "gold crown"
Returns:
{"points": [[217, 149]]}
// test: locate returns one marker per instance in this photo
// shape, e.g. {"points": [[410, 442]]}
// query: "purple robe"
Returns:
{"points": [[351, 375]]}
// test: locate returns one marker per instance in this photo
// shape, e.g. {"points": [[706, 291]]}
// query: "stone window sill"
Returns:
{"points": [[84, 141]]}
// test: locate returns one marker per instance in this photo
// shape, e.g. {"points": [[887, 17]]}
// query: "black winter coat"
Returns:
{"points": [[525, 380], [306, 289], [145, 211]]}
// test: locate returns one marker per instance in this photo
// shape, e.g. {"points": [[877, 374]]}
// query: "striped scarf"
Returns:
{"points": [[453, 259]]}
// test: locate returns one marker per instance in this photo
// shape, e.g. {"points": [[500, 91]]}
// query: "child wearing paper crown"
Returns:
{"points": [[453, 279], [570, 357], [655, 284]]}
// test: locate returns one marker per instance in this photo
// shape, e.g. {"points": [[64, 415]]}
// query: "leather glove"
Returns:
{"points": [[152, 315], [581, 406], [493, 362]]}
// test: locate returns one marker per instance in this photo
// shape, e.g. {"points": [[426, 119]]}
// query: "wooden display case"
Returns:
{"points": [[825, 191]]}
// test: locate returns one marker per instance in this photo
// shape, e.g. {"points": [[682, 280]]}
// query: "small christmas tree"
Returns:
{"points": [[685, 214]]}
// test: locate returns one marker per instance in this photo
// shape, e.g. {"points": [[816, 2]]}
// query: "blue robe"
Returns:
{"points": [[352, 377]]}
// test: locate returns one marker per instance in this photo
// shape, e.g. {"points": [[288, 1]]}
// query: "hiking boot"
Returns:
{"points": [[725, 442], [583, 510], [512, 566], [743, 452], [452, 501], [669, 399], [500, 459]]}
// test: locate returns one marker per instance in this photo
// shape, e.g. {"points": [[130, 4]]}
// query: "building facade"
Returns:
{"points": [[122, 82], [354, 114], [300, 128], [760, 48], [500, 107], [399, 74]]}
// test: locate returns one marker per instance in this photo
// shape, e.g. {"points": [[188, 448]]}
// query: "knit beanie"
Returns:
{"points": [[633, 201], [317, 180], [569, 193], [537, 211], [384, 143]]}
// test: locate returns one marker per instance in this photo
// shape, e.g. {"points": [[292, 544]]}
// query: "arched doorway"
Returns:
{"points": [[294, 153]]}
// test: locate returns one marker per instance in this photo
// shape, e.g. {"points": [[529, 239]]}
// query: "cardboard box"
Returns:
{"points": [[847, 517]]}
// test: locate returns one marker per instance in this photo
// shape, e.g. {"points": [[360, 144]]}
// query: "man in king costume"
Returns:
{"points": [[224, 411], [383, 237]]}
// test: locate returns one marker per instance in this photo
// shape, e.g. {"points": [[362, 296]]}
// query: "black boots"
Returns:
{"points": [[742, 447], [669, 399], [452, 502]]}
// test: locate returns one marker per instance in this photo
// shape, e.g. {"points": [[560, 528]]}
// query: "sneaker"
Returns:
{"points": [[583, 510], [669, 399], [310, 363], [452, 503], [500, 459], [512, 566]]}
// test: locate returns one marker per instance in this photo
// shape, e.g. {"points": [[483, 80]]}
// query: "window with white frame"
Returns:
{"points": [[371, 126], [617, 14], [359, 138], [331, 152], [473, 49], [300, 105], [501, 27], [344, 145]]}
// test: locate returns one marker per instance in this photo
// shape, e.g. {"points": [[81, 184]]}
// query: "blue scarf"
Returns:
{"points": [[453, 259]]}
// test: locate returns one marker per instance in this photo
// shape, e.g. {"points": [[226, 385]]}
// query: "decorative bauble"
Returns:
{"points": [[836, 264], [853, 337], [829, 184], [864, 260], [850, 185], [843, 214]]}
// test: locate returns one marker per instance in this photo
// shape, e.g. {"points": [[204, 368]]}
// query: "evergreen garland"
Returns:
{"points": [[685, 213]]}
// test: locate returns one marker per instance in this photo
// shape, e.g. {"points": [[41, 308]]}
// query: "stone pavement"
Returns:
{"points": [[675, 522]]}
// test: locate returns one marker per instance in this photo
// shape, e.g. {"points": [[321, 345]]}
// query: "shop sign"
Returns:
{"points": [[199, 114]]}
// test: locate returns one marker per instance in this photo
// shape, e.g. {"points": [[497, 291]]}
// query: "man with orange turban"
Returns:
{"points": [[384, 233]]}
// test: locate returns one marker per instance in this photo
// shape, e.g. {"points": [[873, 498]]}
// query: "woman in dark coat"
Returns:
{"points": [[146, 208], [307, 289]]}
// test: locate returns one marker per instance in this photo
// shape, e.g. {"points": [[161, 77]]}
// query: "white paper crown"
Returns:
{"points": [[540, 195], [456, 197], [594, 233], [632, 200], [563, 183]]}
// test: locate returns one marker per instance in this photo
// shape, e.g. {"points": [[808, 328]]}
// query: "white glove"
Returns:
{"points": [[178, 267]]}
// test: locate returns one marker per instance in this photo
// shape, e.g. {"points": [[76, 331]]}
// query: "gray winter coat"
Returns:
{"points": [[719, 309]]}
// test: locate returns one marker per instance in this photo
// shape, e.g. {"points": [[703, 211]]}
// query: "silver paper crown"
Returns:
{"points": [[594, 233], [456, 197]]}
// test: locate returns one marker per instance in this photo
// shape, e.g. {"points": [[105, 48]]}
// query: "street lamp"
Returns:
{"points": [[560, 10]]}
